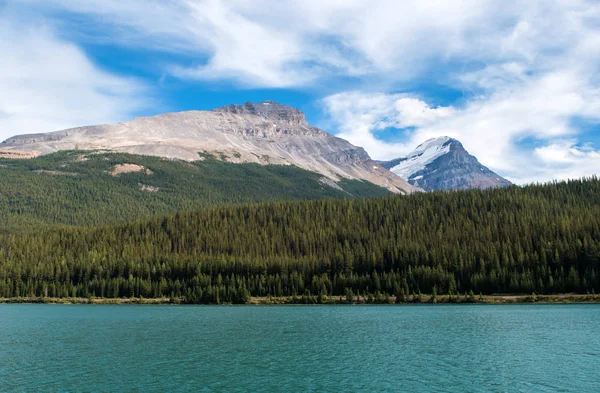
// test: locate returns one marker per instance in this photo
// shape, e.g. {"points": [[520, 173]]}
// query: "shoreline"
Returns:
{"points": [[328, 300]]}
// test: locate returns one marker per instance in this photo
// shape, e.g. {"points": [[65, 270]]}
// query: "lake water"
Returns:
{"points": [[420, 348]]}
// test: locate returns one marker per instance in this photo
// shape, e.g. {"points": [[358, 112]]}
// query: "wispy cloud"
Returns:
{"points": [[266, 43], [49, 84]]}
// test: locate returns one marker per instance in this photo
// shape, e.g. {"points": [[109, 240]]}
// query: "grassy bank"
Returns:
{"points": [[289, 300]]}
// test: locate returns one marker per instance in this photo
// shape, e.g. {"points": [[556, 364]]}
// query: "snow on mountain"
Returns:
{"points": [[443, 164], [423, 155]]}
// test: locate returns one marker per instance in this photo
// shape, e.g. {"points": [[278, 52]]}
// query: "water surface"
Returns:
{"points": [[425, 348]]}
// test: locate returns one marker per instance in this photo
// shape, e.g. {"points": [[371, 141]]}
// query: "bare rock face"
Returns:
{"points": [[264, 133], [270, 110], [444, 164], [128, 168]]}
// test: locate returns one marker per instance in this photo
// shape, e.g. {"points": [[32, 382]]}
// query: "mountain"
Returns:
{"points": [[444, 164], [263, 133]]}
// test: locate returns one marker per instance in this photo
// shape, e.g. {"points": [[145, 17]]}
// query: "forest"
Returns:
{"points": [[517, 240], [72, 188]]}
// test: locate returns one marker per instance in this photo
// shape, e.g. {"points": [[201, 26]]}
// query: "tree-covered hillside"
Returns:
{"points": [[543, 239], [78, 188]]}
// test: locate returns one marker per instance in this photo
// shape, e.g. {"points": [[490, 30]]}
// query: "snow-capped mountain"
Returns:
{"points": [[444, 164]]}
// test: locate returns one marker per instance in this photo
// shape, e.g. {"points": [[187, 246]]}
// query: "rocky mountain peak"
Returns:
{"points": [[444, 164], [268, 109]]}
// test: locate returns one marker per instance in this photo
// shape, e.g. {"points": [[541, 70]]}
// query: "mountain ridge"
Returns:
{"points": [[264, 133]]}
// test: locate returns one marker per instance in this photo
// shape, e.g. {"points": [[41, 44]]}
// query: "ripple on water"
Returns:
{"points": [[443, 348]]}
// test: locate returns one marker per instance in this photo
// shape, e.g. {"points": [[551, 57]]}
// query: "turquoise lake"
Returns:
{"points": [[420, 348]]}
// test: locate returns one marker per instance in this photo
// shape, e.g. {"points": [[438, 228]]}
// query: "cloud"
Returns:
{"points": [[567, 159], [566, 152], [49, 84], [224, 40], [297, 43], [267, 43]]}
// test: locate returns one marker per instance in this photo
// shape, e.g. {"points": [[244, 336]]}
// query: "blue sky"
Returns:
{"points": [[517, 83]]}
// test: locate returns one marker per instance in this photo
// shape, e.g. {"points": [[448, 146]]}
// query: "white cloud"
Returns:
{"points": [[357, 116], [412, 112], [567, 160], [233, 40], [268, 43], [565, 152], [48, 84]]}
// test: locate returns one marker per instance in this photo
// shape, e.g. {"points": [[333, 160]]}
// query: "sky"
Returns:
{"points": [[517, 82]]}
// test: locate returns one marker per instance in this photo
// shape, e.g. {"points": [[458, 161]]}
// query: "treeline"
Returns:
{"points": [[540, 238], [73, 188]]}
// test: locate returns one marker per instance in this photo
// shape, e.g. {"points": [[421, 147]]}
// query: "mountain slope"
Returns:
{"points": [[86, 189], [444, 164], [263, 133]]}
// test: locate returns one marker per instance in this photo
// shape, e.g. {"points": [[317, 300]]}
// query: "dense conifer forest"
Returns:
{"points": [[540, 238], [77, 188]]}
